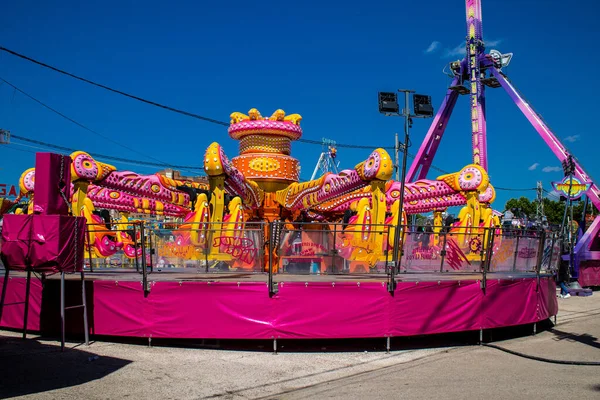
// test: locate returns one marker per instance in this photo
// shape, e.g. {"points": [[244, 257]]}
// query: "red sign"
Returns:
{"points": [[7, 190]]}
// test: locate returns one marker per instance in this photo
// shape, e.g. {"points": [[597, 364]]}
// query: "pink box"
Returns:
{"points": [[46, 243], [50, 182]]}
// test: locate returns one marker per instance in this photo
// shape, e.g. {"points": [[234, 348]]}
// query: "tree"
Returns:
{"points": [[554, 210], [521, 207]]}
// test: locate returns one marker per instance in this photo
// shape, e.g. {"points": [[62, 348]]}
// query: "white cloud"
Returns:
{"points": [[461, 50], [433, 47], [533, 166], [492, 43], [551, 169], [572, 138]]}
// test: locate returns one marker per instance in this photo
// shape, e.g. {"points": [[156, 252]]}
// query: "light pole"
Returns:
{"points": [[388, 105]]}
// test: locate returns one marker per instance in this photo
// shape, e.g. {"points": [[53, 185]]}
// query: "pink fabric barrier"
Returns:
{"points": [[428, 307], [52, 176], [227, 310], [589, 274], [44, 242], [509, 303], [14, 303], [325, 310]]}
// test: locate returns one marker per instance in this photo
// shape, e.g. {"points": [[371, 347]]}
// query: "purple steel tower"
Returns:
{"points": [[475, 49], [470, 76]]}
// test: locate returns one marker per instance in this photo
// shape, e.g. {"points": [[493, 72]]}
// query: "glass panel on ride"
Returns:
{"points": [[333, 248]]}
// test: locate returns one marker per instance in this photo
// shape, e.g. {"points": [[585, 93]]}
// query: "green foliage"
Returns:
{"points": [[554, 210]]}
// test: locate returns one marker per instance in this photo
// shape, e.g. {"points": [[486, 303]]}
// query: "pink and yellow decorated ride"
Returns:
{"points": [[212, 220]]}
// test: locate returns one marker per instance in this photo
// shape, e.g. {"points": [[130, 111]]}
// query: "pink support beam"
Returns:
{"points": [[550, 138], [475, 48], [422, 162]]}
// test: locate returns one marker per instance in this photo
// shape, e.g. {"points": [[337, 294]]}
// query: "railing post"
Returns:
{"points": [[207, 245], [144, 270], [135, 248], [151, 249], [391, 286], [516, 252], [334, 251], [273, 228], [89, 246], [540, 257], [488, 258], [443, 251]]}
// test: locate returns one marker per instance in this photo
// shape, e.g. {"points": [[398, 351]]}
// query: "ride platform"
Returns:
{"points": [[184, 304]]}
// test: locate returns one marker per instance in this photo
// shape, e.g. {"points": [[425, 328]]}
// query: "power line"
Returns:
{"points": [[348, 146], [169, 108], [77, 123], [189, 114], [513, 189], [129, 162], [103, 156]]}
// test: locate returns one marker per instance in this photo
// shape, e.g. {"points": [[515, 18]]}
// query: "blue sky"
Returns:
{"points": [[323, 60]]}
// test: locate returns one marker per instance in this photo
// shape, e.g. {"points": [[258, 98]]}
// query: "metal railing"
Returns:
{"points": [[331, 248], [281, 248]]}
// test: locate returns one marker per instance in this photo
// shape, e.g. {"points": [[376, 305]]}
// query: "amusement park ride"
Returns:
{"points": [[261, 184], [253, 214]]}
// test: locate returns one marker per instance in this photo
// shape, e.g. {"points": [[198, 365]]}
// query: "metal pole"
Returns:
{"points": [[27, 289], [135, 248], [443, 251], [585, 206], [516, 253], [4, 286], [62, 311], [574, 273], [540, 258], [397, 161], [567, 205], [335, 252], [144, 270], [207, 244], [272, 230], [397, 254], [85, 315]]}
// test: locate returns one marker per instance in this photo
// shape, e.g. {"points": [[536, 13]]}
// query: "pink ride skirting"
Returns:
{"points": [[227, 310]]}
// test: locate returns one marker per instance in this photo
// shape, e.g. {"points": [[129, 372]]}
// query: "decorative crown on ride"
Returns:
{"points": [[254, 123]]}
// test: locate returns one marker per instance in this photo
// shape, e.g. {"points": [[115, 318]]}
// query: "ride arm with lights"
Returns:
{"points": [[333, 187], [425, 195], [123, 191], [221, 171]]}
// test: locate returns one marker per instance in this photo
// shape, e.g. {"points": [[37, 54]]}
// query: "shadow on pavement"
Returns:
{"points": [[433, 341], [28, 367], [584, 338]]}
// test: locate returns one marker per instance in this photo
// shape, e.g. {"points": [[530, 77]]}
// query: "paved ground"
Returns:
{"points": [[441, 366]]}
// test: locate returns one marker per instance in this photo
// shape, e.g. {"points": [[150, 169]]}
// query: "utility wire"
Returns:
{"points": [[77, 123], [189, 114], [513, 189], [103, 156], [169, 108], [100, 158]]}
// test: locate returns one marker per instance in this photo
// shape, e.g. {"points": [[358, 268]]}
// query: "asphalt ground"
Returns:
{"points": [[440, 366]]}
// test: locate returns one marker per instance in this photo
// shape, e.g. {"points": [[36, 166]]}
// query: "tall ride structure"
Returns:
{"points": [[471, 76]]}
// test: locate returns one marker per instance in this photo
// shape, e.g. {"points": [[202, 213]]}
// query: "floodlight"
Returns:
{"points": [[388, 103]]}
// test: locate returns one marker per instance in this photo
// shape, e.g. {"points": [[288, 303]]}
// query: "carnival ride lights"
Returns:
{"points": [[262, 184]]}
